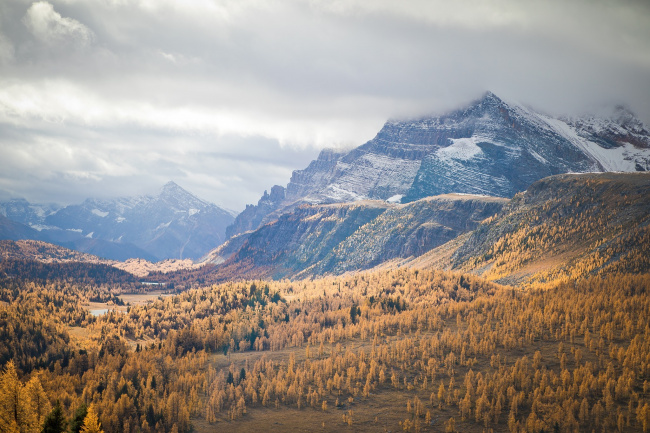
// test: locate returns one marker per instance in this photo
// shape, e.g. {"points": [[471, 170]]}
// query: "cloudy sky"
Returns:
{"points": [[226, 97]]}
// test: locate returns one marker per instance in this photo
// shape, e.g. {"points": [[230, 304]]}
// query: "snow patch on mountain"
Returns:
{"points": [[538, 157], [41, 227], [337, 194], [163, 226], [461, 149], [99, 213]]}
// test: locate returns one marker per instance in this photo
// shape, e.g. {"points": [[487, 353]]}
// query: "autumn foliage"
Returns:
{"points": [[454, 348]]}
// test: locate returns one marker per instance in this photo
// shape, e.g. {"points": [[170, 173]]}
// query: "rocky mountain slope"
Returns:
{"points": [[490, 147], [335, 238], [171, 224], [562, 228]]}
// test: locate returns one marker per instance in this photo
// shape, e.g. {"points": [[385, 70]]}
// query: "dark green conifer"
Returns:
{"points": [[55, 422]]}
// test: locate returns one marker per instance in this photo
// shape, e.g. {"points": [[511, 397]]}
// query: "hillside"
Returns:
{"points": [[336, 238], [562, 228], [297, 240], [43, 252]]}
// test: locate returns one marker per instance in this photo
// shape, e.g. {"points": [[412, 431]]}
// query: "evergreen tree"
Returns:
{"points": [[78, 420], [55, 421]]}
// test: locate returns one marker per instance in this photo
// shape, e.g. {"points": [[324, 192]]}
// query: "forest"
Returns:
{"points": [[392, 350]]}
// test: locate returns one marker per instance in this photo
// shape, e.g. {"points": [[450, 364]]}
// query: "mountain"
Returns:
{"points": [[13, 230], [72, 239], [24, 212], [562, 228], [171, 224], [336, 238], [490, 147]]}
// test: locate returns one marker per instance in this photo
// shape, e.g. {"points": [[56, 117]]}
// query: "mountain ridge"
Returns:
{"points": [[336, 238], [490, 147], [562, 228]]}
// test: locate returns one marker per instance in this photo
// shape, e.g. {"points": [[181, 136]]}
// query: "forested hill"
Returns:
{"points": [[562, 228]]}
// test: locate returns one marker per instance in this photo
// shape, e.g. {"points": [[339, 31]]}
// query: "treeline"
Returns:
{"points": [[575, 357], [93, 274]]}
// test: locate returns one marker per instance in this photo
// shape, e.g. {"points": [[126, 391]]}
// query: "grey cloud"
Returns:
{"points": [[49, 27], [6, 50], [71, 165], [230, 96]]}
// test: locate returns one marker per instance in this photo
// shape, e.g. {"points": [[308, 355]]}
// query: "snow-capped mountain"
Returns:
{"points": [[171, 224], [24, 212], [490, 147], [618, 140]]}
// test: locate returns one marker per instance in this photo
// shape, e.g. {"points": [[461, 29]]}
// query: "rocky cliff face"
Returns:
{"points": [[490, 147], [335, 238], [254, 216]]}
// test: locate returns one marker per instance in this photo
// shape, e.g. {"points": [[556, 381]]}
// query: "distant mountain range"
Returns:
{"points": [[171, 224], [490, 147]]}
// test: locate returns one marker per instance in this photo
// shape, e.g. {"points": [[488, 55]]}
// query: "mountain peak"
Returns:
{"points": [[171, 186], [490, 146], [624, 116], [489, 99], [172, 189], [487, 96], [181, 199]]}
